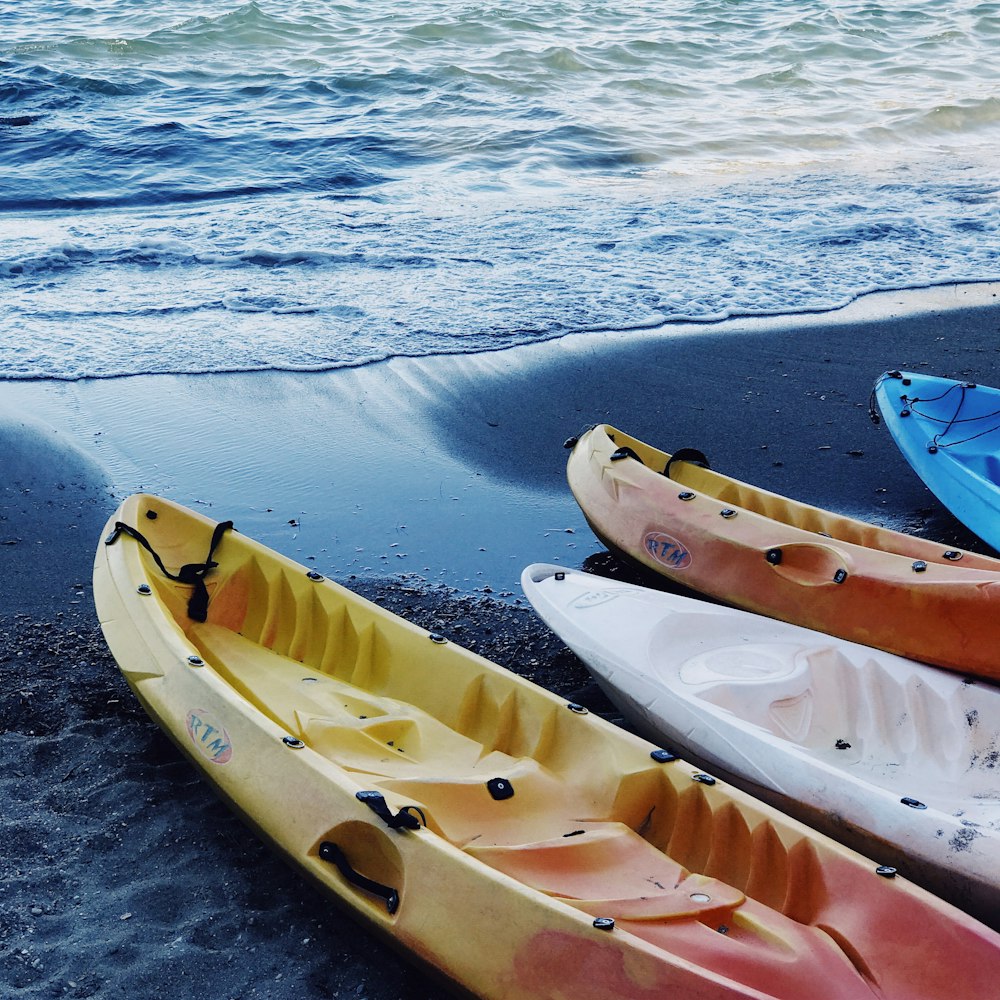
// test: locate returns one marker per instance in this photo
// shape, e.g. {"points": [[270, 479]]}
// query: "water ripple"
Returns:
{"points": [[189, 185]]}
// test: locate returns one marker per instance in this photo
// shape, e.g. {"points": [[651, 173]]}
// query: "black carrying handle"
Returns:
{"points": [[690, 455], [192, 574], [329, 851]]}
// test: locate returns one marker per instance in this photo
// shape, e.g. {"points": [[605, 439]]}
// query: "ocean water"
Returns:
{"points": [[201, 186]]}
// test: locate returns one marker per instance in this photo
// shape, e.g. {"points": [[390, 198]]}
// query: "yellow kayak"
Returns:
{"points": [[515, 844]]}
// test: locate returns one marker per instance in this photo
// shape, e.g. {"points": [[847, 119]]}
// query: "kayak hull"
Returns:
{"points": [[518, 846], [894, 757], [949, 432], [765, 553]]}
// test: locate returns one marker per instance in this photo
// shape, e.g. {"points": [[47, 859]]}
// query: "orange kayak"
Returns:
{"points": [[519, 846], [763, 552]]}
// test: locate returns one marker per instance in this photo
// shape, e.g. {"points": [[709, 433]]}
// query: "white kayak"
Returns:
{"points": [[892, 756]]}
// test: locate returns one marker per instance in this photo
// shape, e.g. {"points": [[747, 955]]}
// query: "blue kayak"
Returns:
{"points": [[949, 432]]}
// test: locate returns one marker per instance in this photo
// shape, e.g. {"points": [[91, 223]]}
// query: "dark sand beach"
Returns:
{"points": [[426, 485]]}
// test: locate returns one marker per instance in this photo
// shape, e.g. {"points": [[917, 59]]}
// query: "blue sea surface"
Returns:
{"points": [[200, 186]]}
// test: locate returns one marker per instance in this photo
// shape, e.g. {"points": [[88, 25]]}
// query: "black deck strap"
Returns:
{"points": [[690, 455], [625, 452], [192, 574], [872, 402], [405, 818]]}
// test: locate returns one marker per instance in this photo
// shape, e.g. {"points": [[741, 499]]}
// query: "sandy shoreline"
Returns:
{"points": [[121, 874], [452, 467]]}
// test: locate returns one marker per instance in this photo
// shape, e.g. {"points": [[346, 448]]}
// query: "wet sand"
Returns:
{"points": [[426, 485]]}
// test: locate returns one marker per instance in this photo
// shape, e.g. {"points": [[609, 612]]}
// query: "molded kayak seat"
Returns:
{"points": [[405, 751], [365, 732], [585, 866]]}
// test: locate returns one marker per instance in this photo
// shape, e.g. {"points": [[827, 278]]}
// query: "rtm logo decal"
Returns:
{"points": [[593, 598], [212, 740], [666, 550]]}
